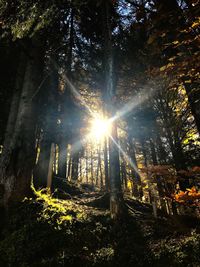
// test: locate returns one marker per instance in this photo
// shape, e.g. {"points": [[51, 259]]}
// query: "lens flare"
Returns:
{"points": [[100, 128]]}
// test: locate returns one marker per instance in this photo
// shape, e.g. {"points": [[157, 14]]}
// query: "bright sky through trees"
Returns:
{"points": [[100, 127]]}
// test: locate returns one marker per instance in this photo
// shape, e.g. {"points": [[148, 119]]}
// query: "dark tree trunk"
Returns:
{"points": [[19, 160], [123, 172], [62, 159], [48, 125], [158, 178], [135, 176], [162, 154], [15, 100], [116, 197], [75, 161], [193, 93], [42, 167]]}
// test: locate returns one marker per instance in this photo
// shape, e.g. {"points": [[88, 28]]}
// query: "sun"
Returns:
{"points": [[100, 127]]}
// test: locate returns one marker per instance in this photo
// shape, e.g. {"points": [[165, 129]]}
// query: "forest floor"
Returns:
{"points": [[76, 230]]}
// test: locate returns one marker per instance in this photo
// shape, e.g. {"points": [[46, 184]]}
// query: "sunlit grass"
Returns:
{"points": [[61, 211]]}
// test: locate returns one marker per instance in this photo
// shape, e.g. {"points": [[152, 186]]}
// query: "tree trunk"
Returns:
{"points": [[15, 100], [107, 182], [62, 159], [18, 163], [91, 165], [75, 161], [135, 176], [69, 168], [48, 124], [123, 172], [116, 198], [86, 165]]}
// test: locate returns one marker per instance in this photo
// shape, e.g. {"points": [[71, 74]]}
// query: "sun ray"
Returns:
{"points": [[129, 160]]}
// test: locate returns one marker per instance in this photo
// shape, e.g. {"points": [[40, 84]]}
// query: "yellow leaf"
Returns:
{"points": [[163, 68], [171, 58], [196, 23]]}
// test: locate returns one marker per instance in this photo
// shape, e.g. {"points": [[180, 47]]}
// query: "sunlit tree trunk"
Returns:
{"points": [[101, 173], [107, 182], [69, 167], [86, 165], [91, 167], [98, 167], [17, 166]]}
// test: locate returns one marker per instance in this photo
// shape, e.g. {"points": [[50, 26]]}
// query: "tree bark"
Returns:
{"points": [[18, 163], [135, 176], [15, 100], [105, 151], [75, 161], [62, 159], [116, 197], [48, 125]]}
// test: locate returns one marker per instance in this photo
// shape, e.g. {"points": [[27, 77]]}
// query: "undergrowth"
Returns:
{"points": [[46, 231]]}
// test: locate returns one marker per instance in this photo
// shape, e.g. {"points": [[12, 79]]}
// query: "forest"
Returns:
{"points": [[99, 133]]}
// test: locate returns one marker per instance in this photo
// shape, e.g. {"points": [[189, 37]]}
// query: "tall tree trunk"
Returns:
{"points": [[162, 154], [105, 151], [80, 170], [86, 165], [18, 163], [92, 167], [160, 186], [48, 125], [135, 176], [69, 167], [15, 100], [75, 161], [62, 159], [123, 172], [116, 197]]}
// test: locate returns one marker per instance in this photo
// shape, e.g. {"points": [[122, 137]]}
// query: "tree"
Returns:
{"points": [[15, 175], [114, 166]]}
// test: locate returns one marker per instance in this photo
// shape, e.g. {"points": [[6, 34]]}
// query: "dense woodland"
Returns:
{"points": [[99, 131]]}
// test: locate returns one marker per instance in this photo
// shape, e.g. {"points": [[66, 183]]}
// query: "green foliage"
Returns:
{"points": [[27, 18], [182, 252]]}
